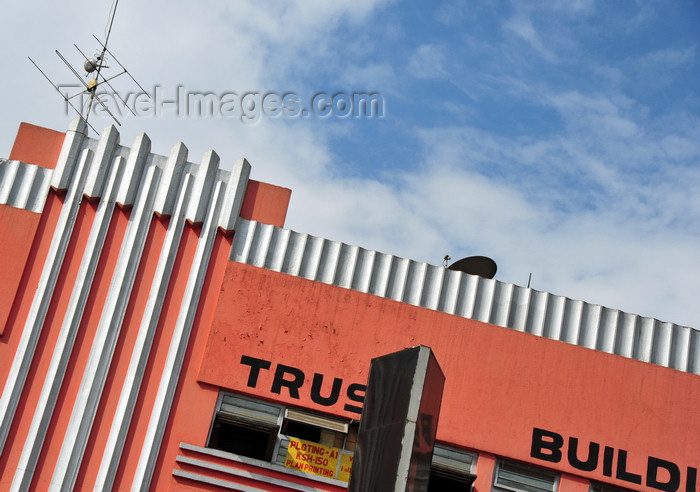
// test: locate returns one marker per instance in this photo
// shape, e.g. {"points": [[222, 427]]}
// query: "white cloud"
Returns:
{"points": [[601, 114], [522, 26], [624, 240], [371, 77], [427, 62], [681, 148], [670, 57], [603, 207]]}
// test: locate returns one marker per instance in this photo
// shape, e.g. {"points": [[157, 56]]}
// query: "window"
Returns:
{"points": [[314, 443], [451, 470], [521, 477], [315, 428], [602, 487], [284, 436], [245, 427], [242, 439]]}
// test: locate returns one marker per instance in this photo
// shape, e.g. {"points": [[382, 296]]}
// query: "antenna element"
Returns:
{"points": [[94, 65]]}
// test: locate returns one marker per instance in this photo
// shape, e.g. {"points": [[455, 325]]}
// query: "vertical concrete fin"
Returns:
{"points": [[104, 155], [169, 191], [205, 176], [178, 344], [42, 299], [135, 164], [235, 193], [107, 333], [144, 340], [70, 151], [63, 348]]}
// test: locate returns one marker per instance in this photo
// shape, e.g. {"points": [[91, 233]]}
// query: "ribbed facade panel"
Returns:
{"points": [[26, 186], [145, 185], [130, 260], [487, 300]]}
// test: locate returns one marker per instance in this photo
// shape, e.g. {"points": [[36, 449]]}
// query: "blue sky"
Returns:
{"points": [[560, 138]]}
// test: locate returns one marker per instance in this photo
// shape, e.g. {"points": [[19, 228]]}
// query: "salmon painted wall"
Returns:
{"points": [[283, 338], [34, 145], [25, 239], [508, 393], [37, 145], [15, 249]]}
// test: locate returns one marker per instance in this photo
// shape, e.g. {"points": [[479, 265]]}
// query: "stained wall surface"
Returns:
{"points": [[112, 257], [501, 387], [138, 289]]}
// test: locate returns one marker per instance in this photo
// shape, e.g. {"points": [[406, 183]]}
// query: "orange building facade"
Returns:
{"points": [[161, 330]]}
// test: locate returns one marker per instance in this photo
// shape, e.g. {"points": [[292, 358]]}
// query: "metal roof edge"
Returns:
{"points": [[469, 296], [26, 186]]}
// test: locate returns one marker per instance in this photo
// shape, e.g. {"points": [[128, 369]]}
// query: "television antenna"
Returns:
{"points": [[93, 67]]}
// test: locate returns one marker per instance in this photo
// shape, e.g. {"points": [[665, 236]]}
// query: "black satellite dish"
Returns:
{"points": [[482, 266]]}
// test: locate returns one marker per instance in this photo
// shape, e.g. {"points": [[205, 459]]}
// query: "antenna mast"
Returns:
{"points": [[95, 64]]}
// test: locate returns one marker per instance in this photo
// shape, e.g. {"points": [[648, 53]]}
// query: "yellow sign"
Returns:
{"points": [[345, 467], [311, 457]]}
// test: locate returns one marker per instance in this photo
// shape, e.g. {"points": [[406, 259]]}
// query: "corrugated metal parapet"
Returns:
{"points": [[469, 296], [24, 185]]}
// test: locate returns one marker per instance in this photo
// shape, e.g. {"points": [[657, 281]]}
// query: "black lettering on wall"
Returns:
{"points": [[546, 445], [356, 393], [293, 379], [591, 461], [293, 384], [255, 366], [326, 401], [660, 474], [692, 481], [608, 454], [622, 473], [653, 480]]}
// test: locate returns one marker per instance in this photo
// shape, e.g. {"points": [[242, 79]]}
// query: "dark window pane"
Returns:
{"points": [[253, 442], [601, 487], [444, 481], [302, 431]]}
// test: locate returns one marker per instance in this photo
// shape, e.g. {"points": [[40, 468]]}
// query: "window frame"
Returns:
{"points": [[454, 464], [524, 467], [276, 426], [606, 487], [448, 461]]}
